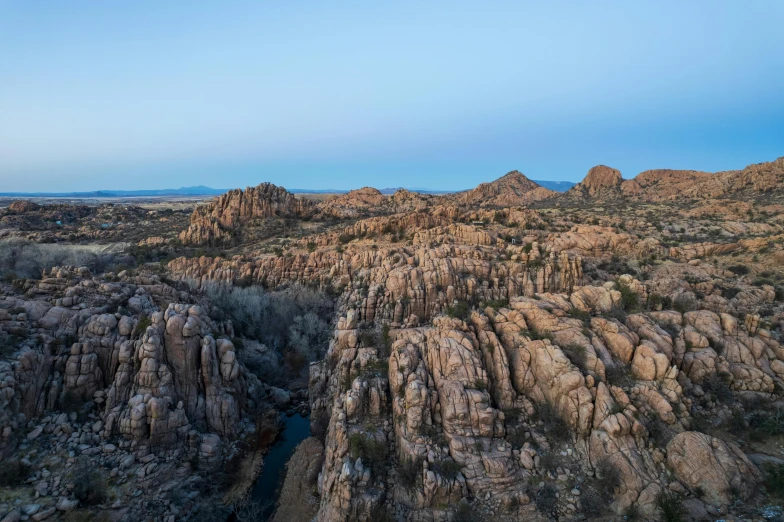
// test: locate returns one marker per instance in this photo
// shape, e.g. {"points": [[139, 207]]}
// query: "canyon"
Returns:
{"points": [[504, 353]]}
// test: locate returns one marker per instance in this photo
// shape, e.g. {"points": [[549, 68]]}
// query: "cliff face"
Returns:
{"points": [[223, 218]]}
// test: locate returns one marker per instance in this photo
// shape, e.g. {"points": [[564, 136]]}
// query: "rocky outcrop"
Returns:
{"points": [[223, 218], [601, 181], [511, 189]]}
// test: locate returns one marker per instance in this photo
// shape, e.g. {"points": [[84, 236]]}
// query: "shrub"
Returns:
{"points": [[311, 246], [592, 503], [739, 270], [13, 473], [774, 479], [670, 507], [630, 301], [295, 317], [447, 468], [409, 471], [459, 310], [545, 499], [608, 478], [141, 326], [89, 486], [555, 427], [372, 452], [619, 375], [580, 315], [577, 355], [466, 513], [718, 388], [768, 422]]}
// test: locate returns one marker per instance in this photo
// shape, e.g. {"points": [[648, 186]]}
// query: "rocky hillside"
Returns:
{"points": [[509, 190], [610, 352], [223, 218]]}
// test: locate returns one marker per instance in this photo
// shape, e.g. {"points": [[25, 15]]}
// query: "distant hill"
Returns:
{"points": [[201, 190], [182, 191], [557, 186]]}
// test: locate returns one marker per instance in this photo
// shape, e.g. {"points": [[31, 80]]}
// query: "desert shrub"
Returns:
{"points": [[658, 430], [774, 479], [739, 269], [619, 375], [372, 452], [718, 388], [409, 471], [141, 326], [495, 304], [89, 486], [549, 461], [311, 246], [630, 301], [447, 468], [555, 428], [608, 478], [592, 503], [295, 317], [13, 473], [670, 506], [459, 310], [465, 512], [577, 355], [580, 315], [545, 499], [25, 259], [768, 422]]}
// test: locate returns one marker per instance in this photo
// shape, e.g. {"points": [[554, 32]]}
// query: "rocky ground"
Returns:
{"points": [[506, 353]]}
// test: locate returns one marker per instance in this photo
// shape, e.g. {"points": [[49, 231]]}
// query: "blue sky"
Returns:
{"points": [[441, 95]]}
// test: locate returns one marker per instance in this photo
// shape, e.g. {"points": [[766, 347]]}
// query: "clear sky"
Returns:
{"points": [[434, 94]]}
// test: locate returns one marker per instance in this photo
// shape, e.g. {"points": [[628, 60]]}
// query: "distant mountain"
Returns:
{"points": [[557, 186], [200, 190]]}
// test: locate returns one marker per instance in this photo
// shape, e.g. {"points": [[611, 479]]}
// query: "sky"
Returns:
{"points": [[439, 95]]}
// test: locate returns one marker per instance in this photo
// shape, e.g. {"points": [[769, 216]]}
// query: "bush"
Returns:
{"points": [[670, 507], [555, 428], [717, 387], [630, 301], [580, 315], [25, 259], [619, 375], [739, 270], [774, 479], [296, 317], [372, 452], [608, 478], [545, 499], [447, 468], [466, 513], [13, 473], [409, 471], [592, 503], [577, 355], [89, 486], [141, 326], [459, 310], [768, 422]]}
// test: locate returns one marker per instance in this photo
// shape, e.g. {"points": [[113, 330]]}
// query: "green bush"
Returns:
{"points": [[13, 473], [774, 479], [141, 326], [577, 355], [459, 310], [466, 513], [372, 452], [555, 428], [89, 486], [447, 468], [630, 301], [670, 507], [409, 471], [545, 499], [619, 375]]}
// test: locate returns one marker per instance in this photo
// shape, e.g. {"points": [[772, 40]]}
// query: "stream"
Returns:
{"points": [[267, 487]]}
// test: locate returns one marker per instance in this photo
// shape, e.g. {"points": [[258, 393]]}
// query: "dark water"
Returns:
{"points": [[267, 488]]}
